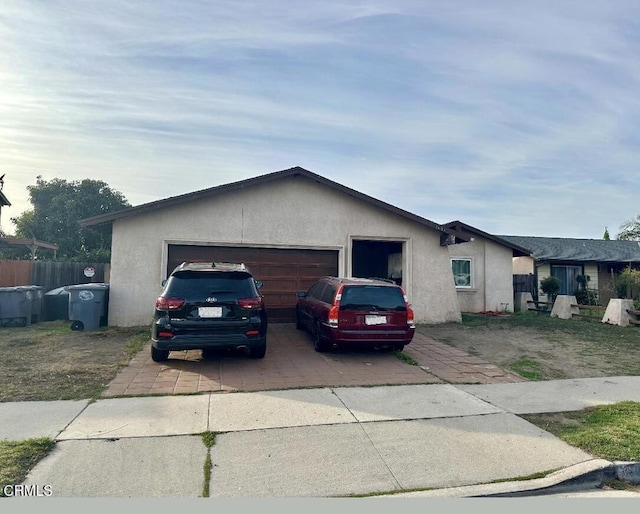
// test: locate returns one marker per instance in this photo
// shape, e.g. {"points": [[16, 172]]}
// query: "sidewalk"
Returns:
{"points": [[328, 441]]}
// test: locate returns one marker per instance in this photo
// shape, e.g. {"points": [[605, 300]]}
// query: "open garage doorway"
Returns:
{"points": [[381, 259]]}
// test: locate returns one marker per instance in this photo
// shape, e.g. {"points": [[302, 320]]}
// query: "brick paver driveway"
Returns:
{"points": [[291, 362]]}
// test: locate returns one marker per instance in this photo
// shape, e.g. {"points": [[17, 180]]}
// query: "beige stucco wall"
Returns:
{"points": [[523, 265], [294, 212], [492, 276]]}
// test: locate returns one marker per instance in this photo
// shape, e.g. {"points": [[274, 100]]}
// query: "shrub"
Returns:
{"points": [[550, 286], [586, 297]]}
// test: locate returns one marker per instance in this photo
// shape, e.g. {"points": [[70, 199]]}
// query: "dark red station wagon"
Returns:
{"points": [[355, 311]]}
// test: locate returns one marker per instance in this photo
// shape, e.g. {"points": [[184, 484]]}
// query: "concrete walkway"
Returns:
{"points": [[319, 442]]}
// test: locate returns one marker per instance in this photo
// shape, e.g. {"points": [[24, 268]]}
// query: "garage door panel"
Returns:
{"points": [[283, 272]]}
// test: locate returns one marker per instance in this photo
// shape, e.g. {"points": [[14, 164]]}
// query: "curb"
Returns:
{"points": [[588, 475]]}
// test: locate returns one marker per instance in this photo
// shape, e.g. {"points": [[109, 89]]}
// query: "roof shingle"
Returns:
{"points": [[583, 250]]}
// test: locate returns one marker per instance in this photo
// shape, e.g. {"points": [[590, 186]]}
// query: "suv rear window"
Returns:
{"points": [[189, 284], [378, 297]]}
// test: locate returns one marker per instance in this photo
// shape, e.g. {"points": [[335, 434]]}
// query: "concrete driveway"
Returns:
{"points": [[291, 362]]}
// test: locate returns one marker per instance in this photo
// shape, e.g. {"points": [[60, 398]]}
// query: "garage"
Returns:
{"points": [[284, 272]]}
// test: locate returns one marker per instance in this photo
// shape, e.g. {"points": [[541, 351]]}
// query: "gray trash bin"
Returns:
{"points": [[35, 295], [15, 306], [88, 305]]}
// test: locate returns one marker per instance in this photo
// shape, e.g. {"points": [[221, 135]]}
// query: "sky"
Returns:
{"points": [[518, 118]]}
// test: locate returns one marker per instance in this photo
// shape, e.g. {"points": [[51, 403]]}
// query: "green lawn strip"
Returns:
{"points": [[610, 432], [406, 358], [528, 368], [209, 439], [17, 458]]}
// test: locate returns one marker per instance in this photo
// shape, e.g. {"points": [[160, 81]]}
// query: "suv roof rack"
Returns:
{"points": [[212, 265]]}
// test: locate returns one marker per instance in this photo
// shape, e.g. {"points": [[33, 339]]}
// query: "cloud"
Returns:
{"points": [[452, 110]]}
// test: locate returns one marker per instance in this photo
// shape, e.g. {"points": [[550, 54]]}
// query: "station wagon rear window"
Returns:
{"points": [[372, 297]]}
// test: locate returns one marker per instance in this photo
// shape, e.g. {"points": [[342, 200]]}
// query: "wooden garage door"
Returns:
{"points": [[283, 272]]}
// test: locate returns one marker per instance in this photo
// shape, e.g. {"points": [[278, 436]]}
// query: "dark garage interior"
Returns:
{"points": [[382, 259]]}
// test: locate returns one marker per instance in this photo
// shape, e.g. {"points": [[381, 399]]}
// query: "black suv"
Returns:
{"points": [[208, 306]]}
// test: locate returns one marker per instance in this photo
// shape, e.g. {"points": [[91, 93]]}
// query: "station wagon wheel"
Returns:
{"points": [[159, 355], [319, 345]]}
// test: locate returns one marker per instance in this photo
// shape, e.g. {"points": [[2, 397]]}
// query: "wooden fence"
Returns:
{"points": [[589, 312], [15, 273], [526, 284], [50, 274]]}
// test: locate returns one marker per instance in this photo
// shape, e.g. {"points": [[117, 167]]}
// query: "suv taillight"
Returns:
{"points": [[251, 303], [334, 310], [169, 304]]}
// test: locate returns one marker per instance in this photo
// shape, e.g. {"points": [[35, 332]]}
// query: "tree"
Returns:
{"points": [[630, 229], [627, 284], [606, 235], [58, 207]]}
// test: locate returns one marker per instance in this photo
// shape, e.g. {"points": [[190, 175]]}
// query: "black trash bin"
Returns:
{"points": [[35, 295], [15, 307], [88, 305], [56, 304]]}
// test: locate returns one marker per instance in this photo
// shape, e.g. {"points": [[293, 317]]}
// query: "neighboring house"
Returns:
{"points": [[598, 259], [290, 227], [483, 269]]}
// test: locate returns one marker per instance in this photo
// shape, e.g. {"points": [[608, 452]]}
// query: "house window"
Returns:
{"points": [[461, 272], [568, 277]]}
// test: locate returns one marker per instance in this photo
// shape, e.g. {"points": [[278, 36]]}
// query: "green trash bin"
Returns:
{"points": [[15, 306], [88, 305]]}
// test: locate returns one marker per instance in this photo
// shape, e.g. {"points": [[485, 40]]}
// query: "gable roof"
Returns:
{"points": [[262, 179], [582, 250], [463, 228]]}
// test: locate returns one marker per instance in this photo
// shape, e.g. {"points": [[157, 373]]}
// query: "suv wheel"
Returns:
{"points": [[258, 352], [319, 344], [159, 355]]}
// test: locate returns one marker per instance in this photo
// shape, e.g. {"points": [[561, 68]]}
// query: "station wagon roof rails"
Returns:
{"points": [[383, 279]]}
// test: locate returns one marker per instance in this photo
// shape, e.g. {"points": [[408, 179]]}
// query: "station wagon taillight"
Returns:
{"points": [[169, 304], [410, 320], [251, 303], [334, 310]]}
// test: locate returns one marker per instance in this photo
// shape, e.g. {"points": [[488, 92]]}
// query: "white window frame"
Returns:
{"points": [[471, 277]]}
